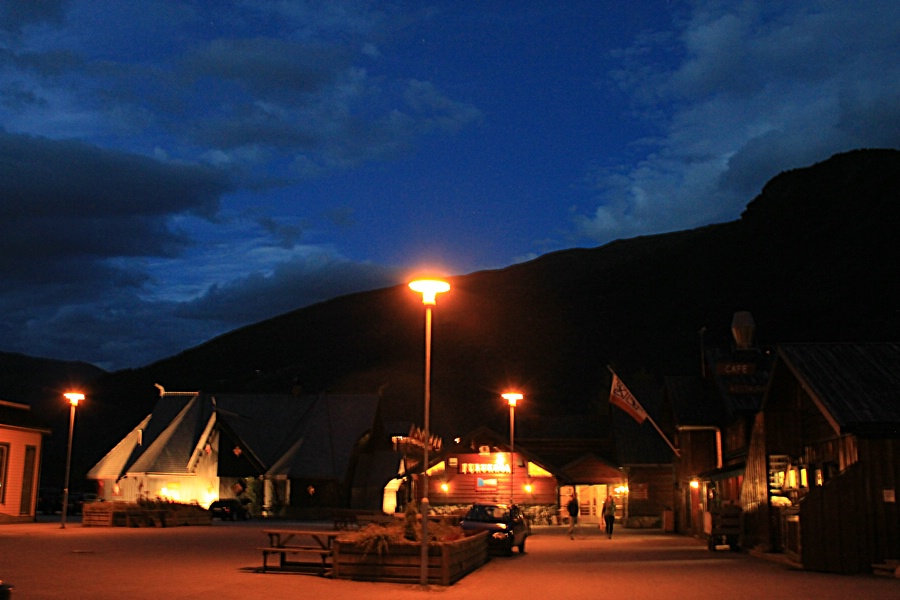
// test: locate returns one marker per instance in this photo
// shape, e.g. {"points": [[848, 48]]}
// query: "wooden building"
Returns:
{"points": [[555, 458], [288, 454], [711, 417], [21, 443], [824, 462]]}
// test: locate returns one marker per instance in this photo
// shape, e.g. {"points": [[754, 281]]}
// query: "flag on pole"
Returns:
{"points": [[620, 396]]}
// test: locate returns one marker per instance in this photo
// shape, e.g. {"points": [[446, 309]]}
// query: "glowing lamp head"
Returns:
{"points": [[429, 288], [74, 397], [512, 397]]}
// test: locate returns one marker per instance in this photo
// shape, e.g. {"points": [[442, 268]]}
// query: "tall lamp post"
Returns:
{"points": [[512, 398], [429, 288], [74, 398]]}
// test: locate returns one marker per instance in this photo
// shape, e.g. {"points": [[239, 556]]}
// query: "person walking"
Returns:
{"points": [[572, 508], [609, 515]]}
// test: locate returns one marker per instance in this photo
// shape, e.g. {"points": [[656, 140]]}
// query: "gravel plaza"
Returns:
{"points": [[45, 562]]}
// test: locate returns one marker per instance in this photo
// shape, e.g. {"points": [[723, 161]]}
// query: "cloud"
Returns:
{"points": [[127, 149], [18, 14], [66, 202], [737, 94], [311, 277]]}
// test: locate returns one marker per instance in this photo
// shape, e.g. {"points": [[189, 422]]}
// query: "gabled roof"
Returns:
{"points": [[856, 386], [486, 436], [291, 436], [325, 440], [113, 465], [172, 444]]}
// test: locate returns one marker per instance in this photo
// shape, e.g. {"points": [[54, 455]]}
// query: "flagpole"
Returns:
{"points": [[642, 411]]}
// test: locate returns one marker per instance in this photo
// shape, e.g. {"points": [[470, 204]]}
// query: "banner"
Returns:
{"points": [[620, 396]]}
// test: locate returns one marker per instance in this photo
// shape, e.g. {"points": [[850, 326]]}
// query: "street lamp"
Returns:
{"points": [[74, 398], [512, 398], [429, 288]]}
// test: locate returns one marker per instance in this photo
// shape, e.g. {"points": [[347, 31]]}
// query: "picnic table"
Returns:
{"points": [[303, 550]]}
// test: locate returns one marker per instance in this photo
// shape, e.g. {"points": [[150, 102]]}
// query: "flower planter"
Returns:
{"points": [[401, 562], [124, 514]]}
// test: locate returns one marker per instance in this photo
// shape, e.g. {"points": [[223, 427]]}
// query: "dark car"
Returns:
{"points": [[231, 509], [507, 527]]}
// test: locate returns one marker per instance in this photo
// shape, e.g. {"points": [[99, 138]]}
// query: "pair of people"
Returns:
{"points": [[608, 511]]}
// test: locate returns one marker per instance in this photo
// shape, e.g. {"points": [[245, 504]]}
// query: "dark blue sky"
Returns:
{"points": [[170, 171]]}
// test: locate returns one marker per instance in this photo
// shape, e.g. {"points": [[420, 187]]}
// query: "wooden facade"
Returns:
{"points": [[490, 476], [824, 462], [20, 458]]}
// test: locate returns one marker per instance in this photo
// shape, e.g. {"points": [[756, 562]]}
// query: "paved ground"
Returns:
{"points": [[219, 562]]}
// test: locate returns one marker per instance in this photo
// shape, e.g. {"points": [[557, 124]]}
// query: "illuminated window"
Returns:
{"points": [[792, 479], [804, 482]]}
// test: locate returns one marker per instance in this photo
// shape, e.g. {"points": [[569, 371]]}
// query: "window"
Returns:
{"points": [[4, 458]]}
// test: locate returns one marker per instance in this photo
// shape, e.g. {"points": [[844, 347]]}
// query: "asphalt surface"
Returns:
{"points": [[220, 562]]}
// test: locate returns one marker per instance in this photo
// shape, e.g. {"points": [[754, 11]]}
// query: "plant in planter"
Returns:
{"points": [[385, 553]]}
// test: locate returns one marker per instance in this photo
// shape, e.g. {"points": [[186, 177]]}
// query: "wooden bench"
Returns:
{"points": [[323, 566], [299, 543]]}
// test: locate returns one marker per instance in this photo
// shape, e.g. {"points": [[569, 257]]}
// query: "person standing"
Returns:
{"points": [[609, 515], [572, 508]]}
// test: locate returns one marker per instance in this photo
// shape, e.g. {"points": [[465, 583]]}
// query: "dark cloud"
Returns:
{"points": [[313, 278], [266, 67], [61, 178], [17, 14], [72, 220]]}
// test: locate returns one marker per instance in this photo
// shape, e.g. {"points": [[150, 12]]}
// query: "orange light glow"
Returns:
{"points": [[445, 487], [529, 488], [74, 397], [695, 484], [512, 397], [429, 288]]}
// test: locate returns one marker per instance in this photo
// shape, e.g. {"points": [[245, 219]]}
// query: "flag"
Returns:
{"points": [[620, 396]]}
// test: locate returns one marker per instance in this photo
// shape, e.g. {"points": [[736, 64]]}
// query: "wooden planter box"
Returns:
{"points": [[448, 562], [122, 514]]}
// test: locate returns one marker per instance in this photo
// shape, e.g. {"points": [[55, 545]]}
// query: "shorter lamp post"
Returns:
{"points": [[74, 398], [512, 398]]}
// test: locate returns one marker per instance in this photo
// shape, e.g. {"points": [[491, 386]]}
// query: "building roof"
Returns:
{"points": [[290, 436], [15, 414], [857, 386]]}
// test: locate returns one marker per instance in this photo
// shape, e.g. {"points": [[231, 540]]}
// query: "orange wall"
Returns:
{"points": [[18, 439]]}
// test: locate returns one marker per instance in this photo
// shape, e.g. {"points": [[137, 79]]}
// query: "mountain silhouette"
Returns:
{"points": [[813, 257]]}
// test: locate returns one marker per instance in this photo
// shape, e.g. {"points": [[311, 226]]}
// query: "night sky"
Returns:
{"points": [[170, 171]]}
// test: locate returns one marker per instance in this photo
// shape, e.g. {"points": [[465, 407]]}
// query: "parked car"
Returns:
{"points": [[78, 500], [506, 525], [49, 501], [231, 509]]}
